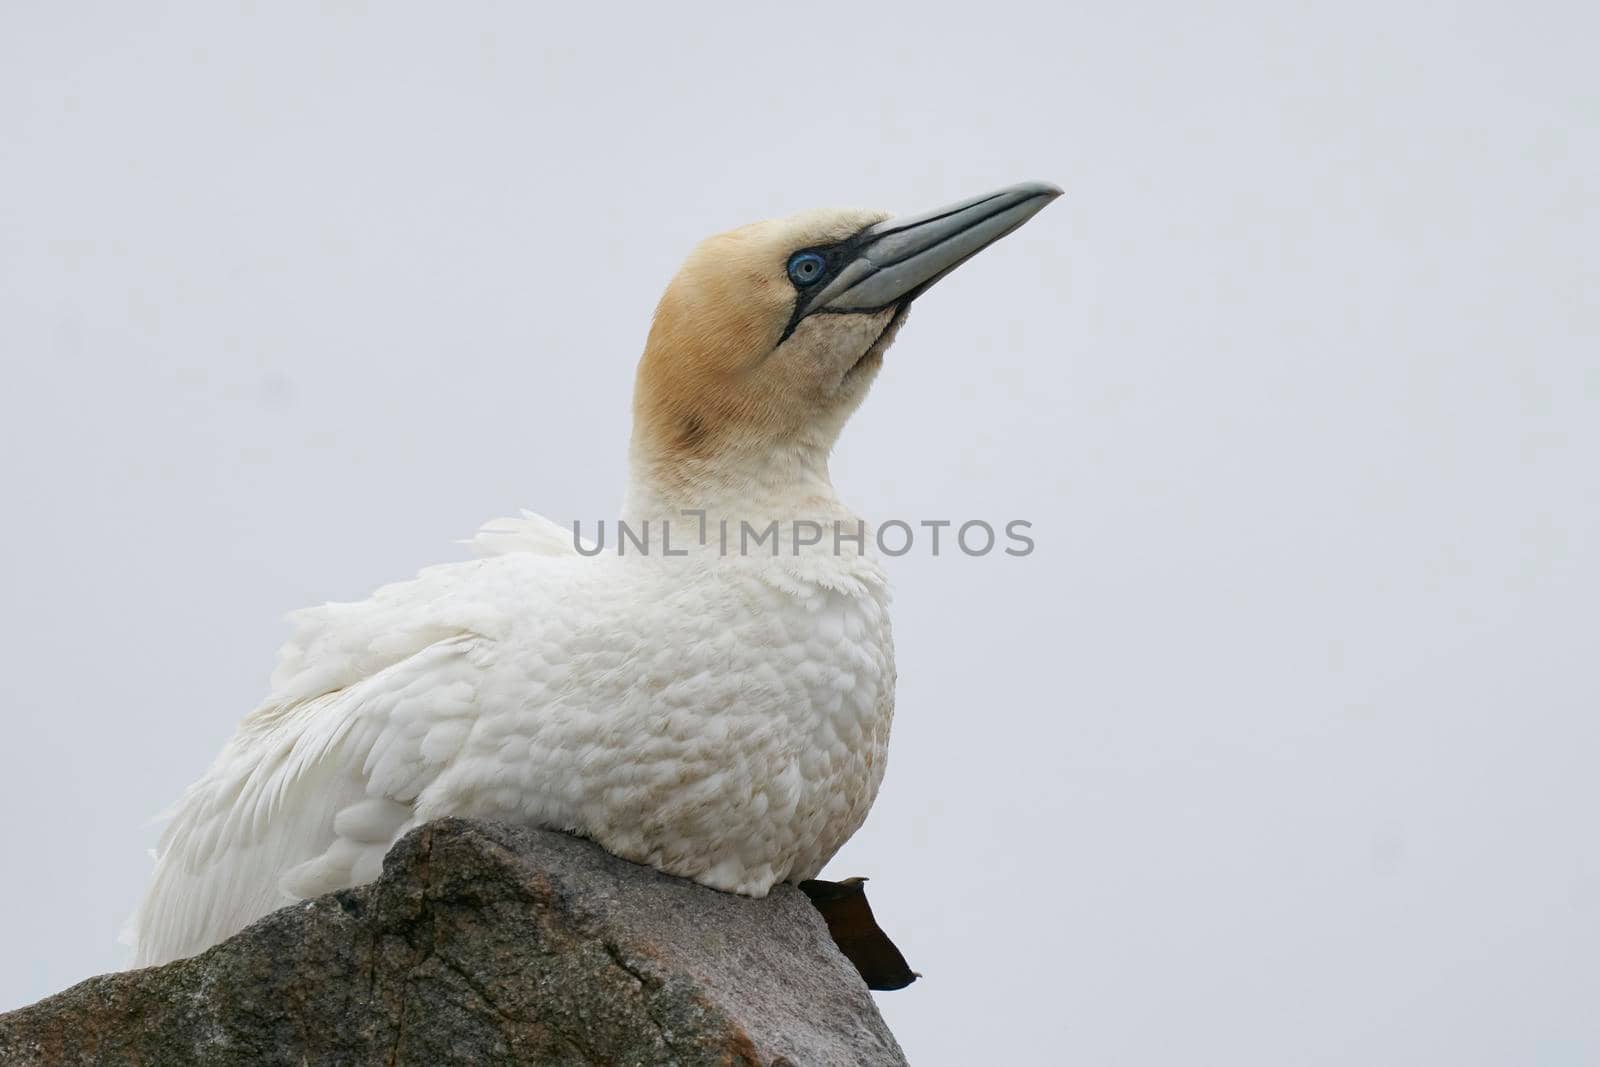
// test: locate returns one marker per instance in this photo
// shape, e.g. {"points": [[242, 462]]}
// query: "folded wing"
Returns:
{"points": [[371, 701]]}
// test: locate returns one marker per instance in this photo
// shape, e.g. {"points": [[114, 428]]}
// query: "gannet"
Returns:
{"points": [[721, 715]]}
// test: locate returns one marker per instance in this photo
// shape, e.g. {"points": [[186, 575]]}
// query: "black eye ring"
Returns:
{"points": [[806, 268]]}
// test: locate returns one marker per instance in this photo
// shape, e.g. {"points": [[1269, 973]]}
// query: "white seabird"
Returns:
{"points": [[722, 717]]}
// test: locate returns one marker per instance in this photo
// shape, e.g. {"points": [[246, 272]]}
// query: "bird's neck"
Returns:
{"points": [[784, 482]]}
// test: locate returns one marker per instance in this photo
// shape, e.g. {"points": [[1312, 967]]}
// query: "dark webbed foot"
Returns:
{"points": [[844, 907]]}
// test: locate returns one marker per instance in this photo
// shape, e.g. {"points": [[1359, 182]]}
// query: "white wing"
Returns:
{"points": [[370, 702], [526, 533]]}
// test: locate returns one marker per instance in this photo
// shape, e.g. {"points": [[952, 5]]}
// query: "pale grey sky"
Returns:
{"points": [[1279, 749]]}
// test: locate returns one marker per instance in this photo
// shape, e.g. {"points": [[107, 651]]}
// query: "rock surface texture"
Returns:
{"points": [[485, 944]]}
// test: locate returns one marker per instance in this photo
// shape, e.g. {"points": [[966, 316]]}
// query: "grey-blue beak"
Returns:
{"points": [[896, 260]]}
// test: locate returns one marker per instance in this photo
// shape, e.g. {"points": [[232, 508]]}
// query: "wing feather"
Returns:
{"points": [[305, 799], [527, 533], [370, 702]]}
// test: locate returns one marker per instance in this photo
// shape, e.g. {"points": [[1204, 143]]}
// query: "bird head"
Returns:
{"points": [[770, 335]]}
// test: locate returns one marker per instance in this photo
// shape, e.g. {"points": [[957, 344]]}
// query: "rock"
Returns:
{"points": [[485, 944]]}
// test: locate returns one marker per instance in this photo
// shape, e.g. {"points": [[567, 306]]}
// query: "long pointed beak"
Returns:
{"points": [[898, 259]]}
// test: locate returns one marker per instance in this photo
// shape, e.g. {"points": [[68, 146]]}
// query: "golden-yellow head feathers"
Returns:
{"points": [[770, 334], [718, 373]]}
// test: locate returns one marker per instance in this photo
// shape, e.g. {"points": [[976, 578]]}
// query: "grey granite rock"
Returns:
{"points": [[485, 944]]}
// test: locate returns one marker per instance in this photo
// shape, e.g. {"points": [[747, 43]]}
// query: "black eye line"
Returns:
{"points": [[834, 257]]}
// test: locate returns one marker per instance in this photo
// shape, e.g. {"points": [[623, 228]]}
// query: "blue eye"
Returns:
{"points": [[805, 268]]}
